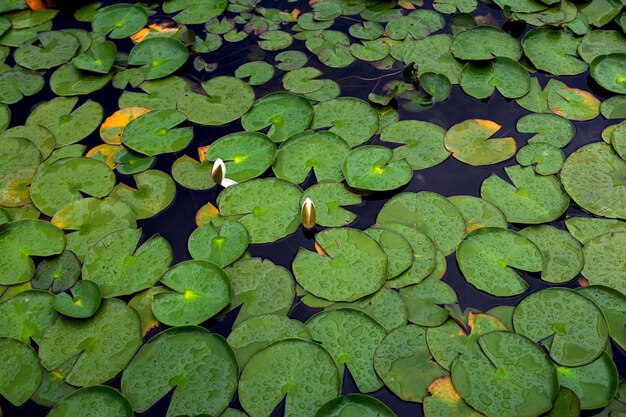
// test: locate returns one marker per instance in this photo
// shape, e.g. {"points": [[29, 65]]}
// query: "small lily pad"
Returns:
{"points": [[101, 401], [510, 78], [83, 302], [364, 405], [340, 276], [21, 373], [470, 142], [245, 154], [18, 83], [201, 289], [549, 128], [155, 133], [545, 158], [303, 372], [113, 126], [424, 300], [432, 54], [487, 255], [221, 244], [27, 315], [57, 273], [552, 317], [417, 24], [405, 364], [351, 118], [329, 197], [99, 58], [168, 362], [192, 174], [194, 11], [159, 94], [68, 80], [257, 72], [423, 142], [371, 167], [608, 71]]}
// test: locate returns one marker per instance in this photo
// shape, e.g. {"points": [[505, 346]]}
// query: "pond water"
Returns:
{"points": [[451, 177]]}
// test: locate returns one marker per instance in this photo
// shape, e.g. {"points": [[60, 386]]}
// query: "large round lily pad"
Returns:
{"points": [[245, 154], [200, 289], [351, 337], [159, 56], [199, 366], [470, 142], [120, 20], [354, 266], [479, 79], [154, 191], [549, 128], [595, 384], [608, 71], [487, 255], [221, 243], [554, 50], [56, 49], [363, 405], [156, 133], [352, 119], [422, 142], [485, 43], [21, 371], [553, 317], [302, 371], [104, 343], [604, 261], [98, 401], [268, 208], [371, 168], [613, 305]]}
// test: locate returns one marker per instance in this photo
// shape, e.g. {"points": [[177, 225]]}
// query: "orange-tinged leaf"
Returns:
{"points": [[206, 213], [443, 388], [142, 35], [406, 5], [108, 151], [36, 4], [112, 128], [202, 150]]}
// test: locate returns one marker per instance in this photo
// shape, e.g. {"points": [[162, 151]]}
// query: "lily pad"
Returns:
{"points": [[83, 302], [120, 268], [552, 317], [119, 21], [532, 198], [301, 371], [201, 289], [57, 273], [221, 244], [593, 177], [99, 58], [595, 384], [154, 192], [488, 255], [603, 263], [257, 72], [355, 266], [56, 49], [549, 128], [169, 362], [268, 208], [545, 158], [417, 24], [424, 300], [227, 99], [479, 80], [444, 401], [613, 306], [470, 142], [113, 126], [526, 377], [53, 387], [21, 371], [608, 71], [18, 83], [104, 343], [478, 212], [328, 198], [371, 167], [246, 154], [194, 11], [364, 405], [485, 43], [68, 80], [428, 212], [405, 364], [398, 249], [27, 315], [573, 103], [39, 135], [351, 118], [586, 228], [67, 180], [159, 94], [385, 306], [21, 239], [155, 133], [423, 143], [601, 42], [432, 54], [193, 174], [100, 401], [258, 332], [159, 56], [554, 51]]}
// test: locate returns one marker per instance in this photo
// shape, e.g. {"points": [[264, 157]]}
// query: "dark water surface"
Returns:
{"points": [[448, 178]]}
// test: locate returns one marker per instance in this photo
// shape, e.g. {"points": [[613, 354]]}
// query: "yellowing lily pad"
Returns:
{"points": [[573, 103], [470, 142]]}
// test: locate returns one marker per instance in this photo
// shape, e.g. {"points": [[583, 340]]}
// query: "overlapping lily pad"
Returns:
{"points": [[470, 142], [352, 119], [101, 401], [22, 371], [371, 168], [423, 143], [156, 133]]}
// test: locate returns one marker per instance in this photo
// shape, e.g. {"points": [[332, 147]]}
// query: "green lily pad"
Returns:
{"points": [[351, 118], [405, 364], [285, 114], [120, 20], [99, 58], [14, 188], [470, 142], [573, 103], [159, 94], [257, 72], [485, 43], [428, 212], [221, 244], [478, 212], [201, 289], [18, 83], [566, 404], [227, 99], [21, 371], [120, 268], [545, 158], [194, 11], [487, 255], [371, 167], [554, 51], [601, 42], [57, 273], [104, 343], [608, 71], [53, 387], [169, 362], [27, 315], [303, 80], [398, 249], [424, 300], [154, 192], [595, 384], [444, 401], [479, 79], [527, 377], [91, 219], [258, 332], [355, 266], [21, 239], [69, 151], [260, 287], [370, 51], [423, 143], [67, 123], [328, 198], [301, 153], [303, 372], [432, 54], [39, 135], [563, 257], [67, 180], [618, 140], [17, 154], [613, 306], [101, 401], [130, 162], [603, 264], [593, 177], [453, 6], [290, 60], [614, 107], [155, 133], [586, 228], [549, 128], [56, 49], [268, 208], [363, 405], [532, 198], [417, 24], [159, 56], [246, 154], [68, 80], [275, 40], [552, 317], [83, 302], [193, 174], [385, 306], [366, 30]]}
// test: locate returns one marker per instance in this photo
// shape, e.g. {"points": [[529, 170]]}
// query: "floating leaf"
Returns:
{"points": [[21, 372], [355, 403], [17, 83], [573, 103], [57, 273], [470, 142], [601, 42], [551, 316], [417, 24], [99, 58], [246, 154], [53, 387], [159, 94], [301, 371], [479, 80], [201, 289], [398, 249], [101, 401], [222, 244], [155, 133], [554, 51], [613, 306], [56, 49], [71, 81], [608, 71], [586, 228], [478, 212], [423, 143], [257, 72], [352, 119], [445, 401], [549, 128], [27, 315], [545, 158], [169, 362], [432, 54], [158, 57], [83, 302], [154, 191], [120, 20], [194, 11], [485, 43], [423, 301], [595, 384], [566, 404], [371, 168], [487, 255], [603, 265], [329, 197], [385, 306]]}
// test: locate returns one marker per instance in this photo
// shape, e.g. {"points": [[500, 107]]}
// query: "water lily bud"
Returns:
{"points": [[218, 172], [307, 215]]}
